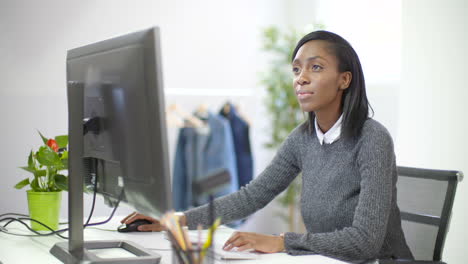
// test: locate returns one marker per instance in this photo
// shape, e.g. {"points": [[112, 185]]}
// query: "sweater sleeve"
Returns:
{"points": [[364, 238], [258, 193]]}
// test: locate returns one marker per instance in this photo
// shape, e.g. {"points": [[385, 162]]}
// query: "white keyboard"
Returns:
{"points": [[219, 253]]}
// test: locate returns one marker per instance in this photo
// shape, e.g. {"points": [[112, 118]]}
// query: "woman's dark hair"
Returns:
{"points": [[354, 101]]}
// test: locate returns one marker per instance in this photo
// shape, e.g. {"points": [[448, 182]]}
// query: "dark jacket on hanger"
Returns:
{"points": [[240, 132]]}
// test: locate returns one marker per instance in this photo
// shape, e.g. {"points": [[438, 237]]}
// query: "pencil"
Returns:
{"points": [[178, 251]]}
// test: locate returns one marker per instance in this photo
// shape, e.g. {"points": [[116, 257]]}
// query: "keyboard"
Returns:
{"points": [[220, 253]]}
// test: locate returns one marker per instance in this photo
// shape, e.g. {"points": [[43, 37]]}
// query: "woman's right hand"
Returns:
{"points": [[154, 227]]}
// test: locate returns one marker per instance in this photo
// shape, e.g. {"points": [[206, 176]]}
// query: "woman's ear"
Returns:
{"points": [[345, 80]]}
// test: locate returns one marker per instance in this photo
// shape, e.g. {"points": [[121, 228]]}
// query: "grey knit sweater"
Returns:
{"points": [[348, 199]]}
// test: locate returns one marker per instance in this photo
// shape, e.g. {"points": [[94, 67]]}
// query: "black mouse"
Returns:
{"points": [[133, 226]]}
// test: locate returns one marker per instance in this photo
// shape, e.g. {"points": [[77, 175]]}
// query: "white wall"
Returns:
{"points": [[373, 28], [432, 111]]}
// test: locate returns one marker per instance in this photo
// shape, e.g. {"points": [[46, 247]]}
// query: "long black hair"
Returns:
{"points": [[354, 101]]}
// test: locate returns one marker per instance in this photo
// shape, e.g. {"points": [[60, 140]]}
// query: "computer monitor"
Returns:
{"points": [[117, 132]]}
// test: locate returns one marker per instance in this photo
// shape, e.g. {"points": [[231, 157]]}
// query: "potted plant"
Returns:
{"points": [[47, 166]]}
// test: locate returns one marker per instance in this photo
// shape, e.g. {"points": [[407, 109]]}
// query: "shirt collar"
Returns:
{"points": [[332, 135]]}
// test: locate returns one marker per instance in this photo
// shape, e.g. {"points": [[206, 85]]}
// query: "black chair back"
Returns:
{"points": [[425, 198]]}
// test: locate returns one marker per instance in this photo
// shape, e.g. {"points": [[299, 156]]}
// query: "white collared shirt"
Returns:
{"points": [[332, 135]]}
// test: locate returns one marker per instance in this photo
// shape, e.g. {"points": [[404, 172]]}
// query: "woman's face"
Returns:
{"points": [[317, 82]]}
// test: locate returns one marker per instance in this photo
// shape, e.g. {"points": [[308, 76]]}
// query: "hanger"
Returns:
{"points": [[226, 108], [174, 113], [173, 120], [202, 112]]}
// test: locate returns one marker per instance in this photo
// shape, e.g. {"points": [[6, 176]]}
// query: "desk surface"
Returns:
{"points": [[18, 250]]}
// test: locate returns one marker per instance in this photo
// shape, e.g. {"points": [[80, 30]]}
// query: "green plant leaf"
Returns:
{"points": [[35, 185], [51, 181], [32, 170], [44, 139], [47, 157], [22, 183], [64, 159], [61, 182], [62, 141], [37, 173], [30, 160], [59, 167], [40, 173], [64, 155], [65, 164]]}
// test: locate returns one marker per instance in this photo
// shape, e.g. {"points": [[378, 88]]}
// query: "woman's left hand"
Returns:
{"points": [[258, 242]]}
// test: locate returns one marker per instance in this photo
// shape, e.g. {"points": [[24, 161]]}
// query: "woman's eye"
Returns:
{"points": [[295, 69], [317, 67]]}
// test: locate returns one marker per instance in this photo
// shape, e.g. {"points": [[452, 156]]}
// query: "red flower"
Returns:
{"points": [[53, 144]]}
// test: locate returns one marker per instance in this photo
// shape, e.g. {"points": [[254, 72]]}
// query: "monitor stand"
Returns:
{"points": [[76, 250], [142, 256]]}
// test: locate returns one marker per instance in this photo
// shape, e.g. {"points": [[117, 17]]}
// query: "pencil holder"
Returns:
{"points": [[192, 256]]}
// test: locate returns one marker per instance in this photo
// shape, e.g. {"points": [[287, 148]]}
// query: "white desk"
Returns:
{"points": [[18, 250]]}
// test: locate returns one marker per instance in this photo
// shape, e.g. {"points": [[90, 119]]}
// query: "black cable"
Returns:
{"points": [[24, 215], [93, 171], [94, 192], [14, 234], [113, 211], [11, 219], [56, 232]]}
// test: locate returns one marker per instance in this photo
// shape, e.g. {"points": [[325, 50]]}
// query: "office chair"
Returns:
{"points": [[425, 198]]}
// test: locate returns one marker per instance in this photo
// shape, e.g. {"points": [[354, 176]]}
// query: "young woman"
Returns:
{"points": [[348, 199]]}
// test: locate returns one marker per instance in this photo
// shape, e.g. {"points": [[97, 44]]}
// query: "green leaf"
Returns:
{"points": [[64, 158], [35, 185], [40, 173], [64, 155], [62, 141], [37, 173], [65, 164], [32, 170], [56, 168], [61, 182], [43, 138], [30, 160], [47, 157], [51, 181], [22, 183]]}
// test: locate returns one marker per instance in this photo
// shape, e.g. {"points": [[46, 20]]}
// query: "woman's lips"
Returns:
{"points": [[304, 94]]}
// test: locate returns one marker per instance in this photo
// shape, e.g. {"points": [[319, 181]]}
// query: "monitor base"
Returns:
{"points": [[142, 255]]}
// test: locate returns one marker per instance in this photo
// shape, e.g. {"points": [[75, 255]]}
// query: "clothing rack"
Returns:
{"points": [[234, 92]]}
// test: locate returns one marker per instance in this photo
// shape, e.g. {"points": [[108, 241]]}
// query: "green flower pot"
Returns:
{"points": [[44, 207]]}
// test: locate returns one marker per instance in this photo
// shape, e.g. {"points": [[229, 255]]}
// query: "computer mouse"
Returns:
{"points": [[133, 226]]}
